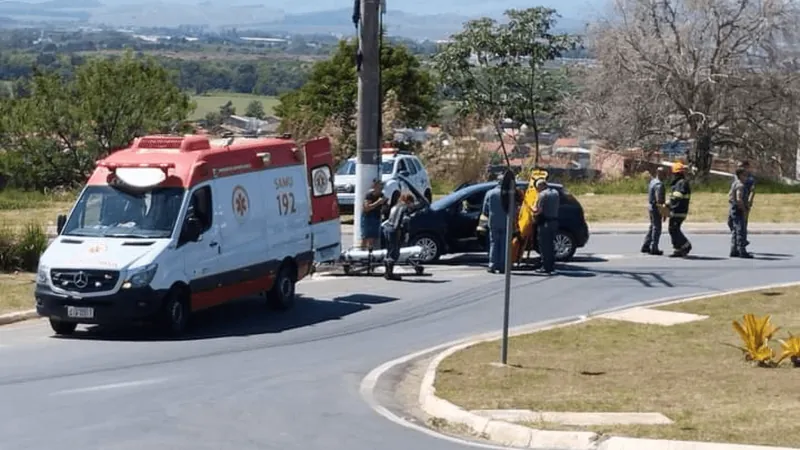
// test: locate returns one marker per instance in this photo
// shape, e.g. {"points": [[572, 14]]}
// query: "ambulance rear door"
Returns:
{"points": [[325, 223]]}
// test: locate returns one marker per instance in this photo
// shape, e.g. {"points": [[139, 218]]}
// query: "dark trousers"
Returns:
{"points": [[497, 249], [391, 242], [546, 234], [738, 225], [677, 237], [653, 236]]}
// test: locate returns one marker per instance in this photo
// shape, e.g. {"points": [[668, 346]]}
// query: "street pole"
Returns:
{"points": [[512, 215], [369, 133]]}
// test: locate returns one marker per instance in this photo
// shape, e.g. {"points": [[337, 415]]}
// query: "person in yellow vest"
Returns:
{"points": [[680, 195]]}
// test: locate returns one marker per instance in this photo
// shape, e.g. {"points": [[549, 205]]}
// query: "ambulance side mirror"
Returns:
{"points": [[61, 220]]}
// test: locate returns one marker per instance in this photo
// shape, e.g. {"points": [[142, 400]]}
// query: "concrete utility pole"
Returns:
{"points": [[369, 133]]}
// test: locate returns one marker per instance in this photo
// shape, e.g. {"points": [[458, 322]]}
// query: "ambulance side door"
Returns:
{"points": [[201, 258], [325, 222], [288, 232]]}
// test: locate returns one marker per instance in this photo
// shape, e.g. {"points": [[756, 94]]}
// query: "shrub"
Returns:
{"points": [[790, 348], [756, 334], [21, 249]]}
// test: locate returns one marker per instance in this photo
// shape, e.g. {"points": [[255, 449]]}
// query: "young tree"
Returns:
{"points": [[255, 109], [390, 115], [330, 95], [496, 70], [711, 71]]}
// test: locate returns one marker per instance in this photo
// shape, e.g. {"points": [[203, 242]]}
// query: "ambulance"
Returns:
{"points": [[176, 224]]}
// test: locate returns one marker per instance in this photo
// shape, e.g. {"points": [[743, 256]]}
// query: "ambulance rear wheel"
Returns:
{"points": [[282, 295], [62, 328]]}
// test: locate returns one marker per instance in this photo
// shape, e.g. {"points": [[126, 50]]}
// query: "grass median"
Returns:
{"points": [[705, 207], [16, 292], [688, 372]]}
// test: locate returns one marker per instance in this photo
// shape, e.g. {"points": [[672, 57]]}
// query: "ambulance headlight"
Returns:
{"points": [[349, 188], [140, 277], [42, 274]]}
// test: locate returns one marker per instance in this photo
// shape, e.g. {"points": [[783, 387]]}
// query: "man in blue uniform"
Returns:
{"points": [[749, 192], [656, 199], [545, 213], [493, 209], [737, 197]]}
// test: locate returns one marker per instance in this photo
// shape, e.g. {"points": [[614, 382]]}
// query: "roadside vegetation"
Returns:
{"points": [[693, 373]]}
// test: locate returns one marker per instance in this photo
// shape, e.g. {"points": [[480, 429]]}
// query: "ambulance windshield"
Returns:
{"points": [[103, 211]]}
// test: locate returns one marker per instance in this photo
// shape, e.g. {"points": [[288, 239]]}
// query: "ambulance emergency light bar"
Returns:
{"points": [[189, 143], [137, 175]]}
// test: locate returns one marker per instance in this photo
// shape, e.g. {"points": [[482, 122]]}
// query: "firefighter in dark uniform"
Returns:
{"points": [[545, 213], [656, 201], [680, 195], [737, 215], [750, 191]]}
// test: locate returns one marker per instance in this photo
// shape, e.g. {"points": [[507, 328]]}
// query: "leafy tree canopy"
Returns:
{"points": [[56, 133], [496, 70], [330, 95]]}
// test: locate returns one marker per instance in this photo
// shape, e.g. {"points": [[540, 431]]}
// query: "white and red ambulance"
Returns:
{"points": [[176, 224]]}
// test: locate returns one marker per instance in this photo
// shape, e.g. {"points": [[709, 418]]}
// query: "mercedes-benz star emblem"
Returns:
{"points": [[81, 280]]}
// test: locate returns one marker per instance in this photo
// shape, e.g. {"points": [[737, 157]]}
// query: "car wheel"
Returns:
{"points": [[564, 245], [431, 247], [63, 328], [428, 195], [175, 316], [282, 295]]}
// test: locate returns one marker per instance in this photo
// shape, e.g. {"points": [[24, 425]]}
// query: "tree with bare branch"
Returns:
{"points": [[716, 72], [496, 69]]}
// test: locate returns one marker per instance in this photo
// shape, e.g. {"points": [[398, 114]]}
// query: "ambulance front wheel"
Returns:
{"points": [[175, 316], [282, 294], [62, 328]]}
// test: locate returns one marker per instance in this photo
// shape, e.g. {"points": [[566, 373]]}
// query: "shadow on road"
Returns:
{"points": [[482, 259], [772, 256], [247, 317], [647, 279], [703, 258]]}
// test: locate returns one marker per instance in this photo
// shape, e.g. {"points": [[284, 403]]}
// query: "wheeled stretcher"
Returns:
{"points": [[368, 260]]}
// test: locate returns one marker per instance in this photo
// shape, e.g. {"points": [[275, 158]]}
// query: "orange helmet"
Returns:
{"points": [[678, 167]]}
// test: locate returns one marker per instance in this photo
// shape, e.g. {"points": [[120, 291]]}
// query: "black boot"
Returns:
{"points": [[390, 275]]}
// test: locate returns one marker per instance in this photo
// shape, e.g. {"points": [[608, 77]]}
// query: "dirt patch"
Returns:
{"points": [[688, 372], [705, 207], [16, 292]]}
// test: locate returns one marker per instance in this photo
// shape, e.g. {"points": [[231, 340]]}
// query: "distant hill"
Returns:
{"points": [[397, 23], [243, 14]]}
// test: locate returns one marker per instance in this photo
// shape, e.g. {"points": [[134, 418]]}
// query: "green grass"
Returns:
{"points": [[211, 103], [638, 185]]}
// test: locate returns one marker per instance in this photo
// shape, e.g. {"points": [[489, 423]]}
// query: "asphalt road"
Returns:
{"points": [[249, 379]]}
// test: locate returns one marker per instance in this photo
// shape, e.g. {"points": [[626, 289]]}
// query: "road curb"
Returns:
{"points": [[9, 318], [510, 434]]}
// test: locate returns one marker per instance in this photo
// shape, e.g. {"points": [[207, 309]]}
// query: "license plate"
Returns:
{"points": [[77, 312]]}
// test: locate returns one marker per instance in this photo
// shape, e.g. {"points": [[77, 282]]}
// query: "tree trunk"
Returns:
{"points": [[702, 151], [500, 134], [535, 126]]}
